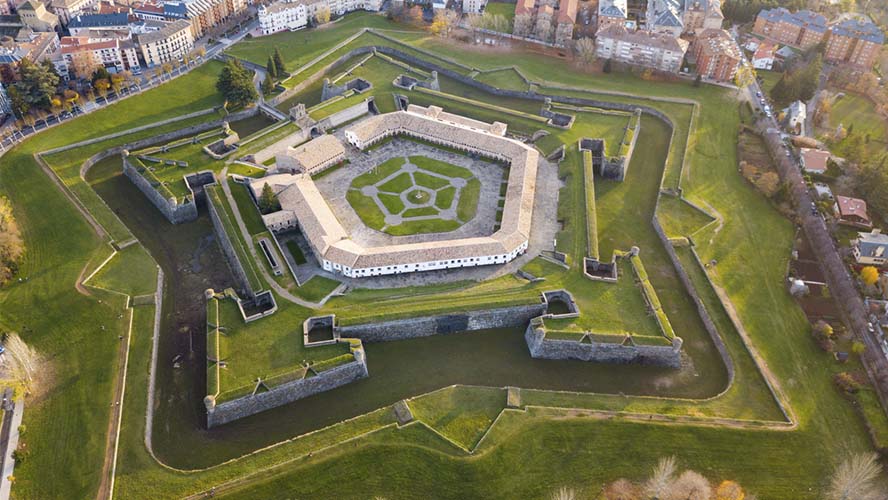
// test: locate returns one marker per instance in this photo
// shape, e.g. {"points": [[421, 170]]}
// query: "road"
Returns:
{"points": [[841, 283]]}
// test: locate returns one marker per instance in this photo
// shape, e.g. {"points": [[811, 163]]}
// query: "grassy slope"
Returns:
{"points": [[712, 450], [69, 332]]}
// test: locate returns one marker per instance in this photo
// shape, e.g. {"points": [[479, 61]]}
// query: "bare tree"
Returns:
{"points": [[854, 479], [523, 24], [543, 29], [690, 485], [585, 48], [500, 23], [662, 477], [564, 493], [622, 489], [23, 359]]}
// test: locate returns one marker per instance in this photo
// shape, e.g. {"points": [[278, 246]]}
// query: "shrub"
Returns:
{"points": [[846, 383]]}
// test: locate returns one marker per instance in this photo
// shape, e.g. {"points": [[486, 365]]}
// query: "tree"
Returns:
{"points": [[17, 102], [100, 73], [280, 69], [522, 24], [7, 74], [698, 80], [117, 80], [414, 15], [564, 493], [621, 489], [607, 66], [71, 98], [271, 68], [37, 85], [11, 245], [543, 29], [236, 84], [585, 48], [500, 24], [267, 85], [822, 329], [869, 275], [102, 85], [729, 490], [268, 201], [768, 183], [322, 15], [855, 478], [690, 485], [661, 478], [443, 22]]}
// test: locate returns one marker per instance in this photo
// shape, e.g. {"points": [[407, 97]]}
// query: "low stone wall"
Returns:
{"points": [[175, 212], [385, 331], [286, 393], [599, 352]]}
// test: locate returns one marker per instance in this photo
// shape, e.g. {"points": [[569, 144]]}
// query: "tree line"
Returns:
{"points": [[11, 246]]}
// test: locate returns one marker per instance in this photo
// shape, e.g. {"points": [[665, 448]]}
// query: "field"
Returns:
{"points": [[856, 110], [764, 331]]}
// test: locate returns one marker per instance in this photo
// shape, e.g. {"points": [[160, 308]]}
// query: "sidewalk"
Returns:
{"points": [[11, 445]]}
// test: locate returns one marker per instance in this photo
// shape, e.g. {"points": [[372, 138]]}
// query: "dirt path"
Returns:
{"points": [[113, 434]]}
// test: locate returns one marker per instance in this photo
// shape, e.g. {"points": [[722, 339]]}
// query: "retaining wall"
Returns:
{"points": [[175, 212], [237, 270], [542, 348], [287, 392], [385, 331]]}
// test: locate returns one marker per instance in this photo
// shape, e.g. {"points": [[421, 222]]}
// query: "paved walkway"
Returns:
{"points": [[11, 438]]}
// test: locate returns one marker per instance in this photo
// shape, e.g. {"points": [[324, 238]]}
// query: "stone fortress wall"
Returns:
{"points": [[234, 263], [286, 393], [443, 324], [171, 208]]}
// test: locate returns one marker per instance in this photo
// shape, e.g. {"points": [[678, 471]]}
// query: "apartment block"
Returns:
{"points": [[854, 42], [717, 54], [801, 29], [641, 48]]}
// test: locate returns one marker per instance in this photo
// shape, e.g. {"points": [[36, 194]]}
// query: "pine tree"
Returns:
{"points": [[607, 66], [271, 68], [279, 63], [236, 84], [267, 85], [268, 201]]}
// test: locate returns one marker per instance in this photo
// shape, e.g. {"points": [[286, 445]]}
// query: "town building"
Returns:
{"points": [[854, 42], [801, 29], [34, 46], [717, 54], [815, 160], [870, 249], [764, 55], [641, 48], [5, 103], [796, 114], [296, 14], [66, 9], [81, 24], [673, 17], [473, 6], [34, 15], [552, 20], [205, 15], [170, 43], [83, 55], [852, 212]]}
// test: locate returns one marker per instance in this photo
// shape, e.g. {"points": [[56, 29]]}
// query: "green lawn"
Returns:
{"points": [[504, 9], [460, 414], [247, 208], [565, 448], [440, 167], [857, 110], [296, 252], [366, 209], [468, 200], [397, 184], [317, 288], [131, 271], [423, 226]]}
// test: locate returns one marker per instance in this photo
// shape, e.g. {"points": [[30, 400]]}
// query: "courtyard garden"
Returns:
{"points": [[798, 431], [416, 194]]}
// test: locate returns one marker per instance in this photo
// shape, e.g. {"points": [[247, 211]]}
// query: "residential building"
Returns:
{"points": [[282, 16], [473, 6], [815, 160], [66, 9], [673, 17], [81, 24], [870, 249], [796, 114], [764, 55], [149, 12], [852, 212], [854, 42], [553, 20], [35, 16], [35, 47], [5, 104], [641, 48], [801, 29], [717, 55], [208, 14], [170, 43], [84, 55]]}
